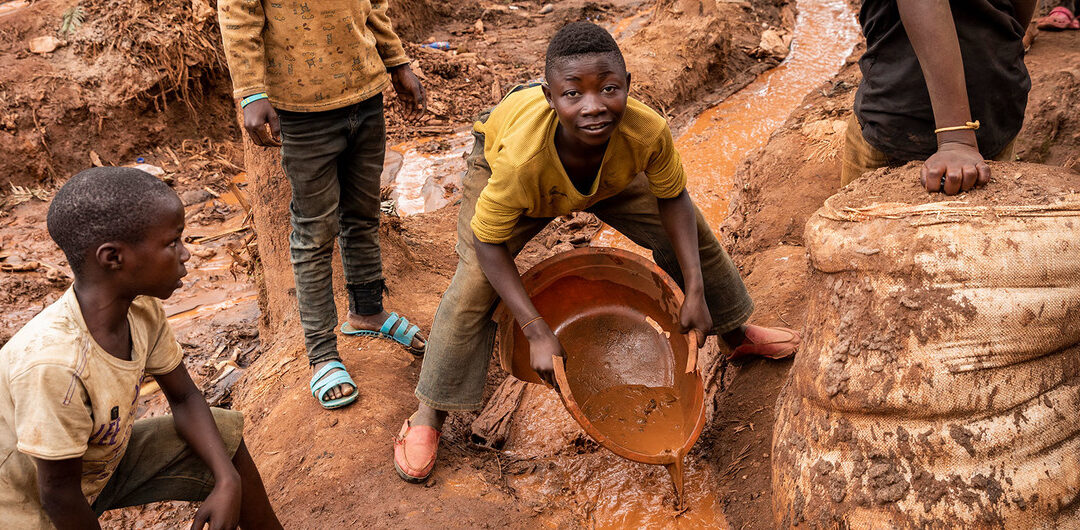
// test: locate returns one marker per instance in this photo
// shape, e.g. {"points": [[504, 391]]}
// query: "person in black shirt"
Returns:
{"points": [[943, 82]]}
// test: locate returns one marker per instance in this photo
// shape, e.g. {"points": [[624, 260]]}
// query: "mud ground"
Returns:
{"points": [[236, 317]]}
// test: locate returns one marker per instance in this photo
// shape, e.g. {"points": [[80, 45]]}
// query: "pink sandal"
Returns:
{"points": [[414, 452], [757, 344], [1060, 18]]}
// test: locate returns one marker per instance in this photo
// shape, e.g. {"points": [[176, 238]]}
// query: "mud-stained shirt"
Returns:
{"points": [[309, 55], [62, 396], [528, 178]]}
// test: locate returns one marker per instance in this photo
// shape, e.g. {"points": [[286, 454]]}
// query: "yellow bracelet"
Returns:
{"points": [[530, 322], [972, 125]]}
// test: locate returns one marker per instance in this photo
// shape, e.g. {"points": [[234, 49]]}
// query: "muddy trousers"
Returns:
{"points": [[333, 160], [463, 333]]}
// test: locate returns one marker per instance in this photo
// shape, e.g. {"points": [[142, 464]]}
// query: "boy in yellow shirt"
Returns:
{"points": [[70, 447], [576, 143]]}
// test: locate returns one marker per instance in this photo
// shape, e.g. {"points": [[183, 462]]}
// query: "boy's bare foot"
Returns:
{"points": [[426, 415], [337, 392], [374, 323], [772, 343]]}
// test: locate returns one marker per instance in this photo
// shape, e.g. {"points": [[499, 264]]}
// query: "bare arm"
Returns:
{"points": [[60, 489], [196, 426], [679, 221], [498, 266], [930, 27]]}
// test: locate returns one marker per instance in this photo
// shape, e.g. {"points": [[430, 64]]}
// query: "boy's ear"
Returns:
{"points": [[547, 95], [628, 81], [110, 256]]}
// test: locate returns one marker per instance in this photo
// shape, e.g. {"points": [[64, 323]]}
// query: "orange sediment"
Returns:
{"points": [[723, 135]]}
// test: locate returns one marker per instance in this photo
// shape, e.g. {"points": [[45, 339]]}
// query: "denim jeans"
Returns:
{"points": [[463, 333], [333, 160]]}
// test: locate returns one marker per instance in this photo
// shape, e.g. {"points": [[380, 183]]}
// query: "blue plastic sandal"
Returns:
{"points": [[321, 383], [402, 335]]}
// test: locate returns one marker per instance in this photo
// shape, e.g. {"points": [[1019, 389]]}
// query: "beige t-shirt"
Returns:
{"points": [[63, 396]]}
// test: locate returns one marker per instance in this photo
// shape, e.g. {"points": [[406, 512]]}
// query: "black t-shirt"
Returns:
{"points": [[893, 104]]}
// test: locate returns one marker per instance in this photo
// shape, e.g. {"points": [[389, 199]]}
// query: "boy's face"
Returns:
{"points": [[155, 265], [588, 93]]}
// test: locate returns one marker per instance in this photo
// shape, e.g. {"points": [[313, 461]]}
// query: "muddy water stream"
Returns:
{"points": [[711, 148], [723, 135]]}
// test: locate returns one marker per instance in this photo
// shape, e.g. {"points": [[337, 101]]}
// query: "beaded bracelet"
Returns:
{"points": [[252, 98]]}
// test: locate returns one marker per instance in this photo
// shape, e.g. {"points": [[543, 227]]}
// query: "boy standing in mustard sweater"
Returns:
{"points": [[314, 73]]}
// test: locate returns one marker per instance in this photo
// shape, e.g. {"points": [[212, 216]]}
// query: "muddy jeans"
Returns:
{"points": [[334, 162], [859, 156], [462, 335]]}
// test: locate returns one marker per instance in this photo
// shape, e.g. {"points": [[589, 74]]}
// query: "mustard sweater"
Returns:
{"points": [[309, 55]]}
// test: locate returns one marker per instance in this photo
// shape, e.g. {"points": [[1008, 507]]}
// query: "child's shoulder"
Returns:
{"points": [[522, 103], [50, 337], [147, 309], [642, 123]]}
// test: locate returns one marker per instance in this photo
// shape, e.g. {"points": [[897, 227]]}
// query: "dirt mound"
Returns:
{"points": [[128, 76], [1051, 133], [1011, 184]]}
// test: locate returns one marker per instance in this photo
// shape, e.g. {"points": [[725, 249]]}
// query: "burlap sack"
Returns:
{"points": [[939, 381]]}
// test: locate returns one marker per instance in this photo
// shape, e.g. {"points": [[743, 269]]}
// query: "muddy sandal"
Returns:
{"points": [[415, 449], [323, 381], [1060, 18], [403, 334], [775, 349]]}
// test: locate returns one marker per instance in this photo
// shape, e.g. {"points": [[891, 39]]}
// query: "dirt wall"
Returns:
{"points": [[132, 76]]}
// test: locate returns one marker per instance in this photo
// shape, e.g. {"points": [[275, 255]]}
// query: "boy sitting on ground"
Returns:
{"points": [[576, 143], [70, 447], [928, 70]]}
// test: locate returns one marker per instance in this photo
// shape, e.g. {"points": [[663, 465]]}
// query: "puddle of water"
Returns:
{"points": [[616, 493], [629, 25], [12, 6], [427, 179], [723, 135]]}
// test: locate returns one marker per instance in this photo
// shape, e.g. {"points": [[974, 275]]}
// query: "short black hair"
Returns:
{"points": [[104, 204], [580, 38]]}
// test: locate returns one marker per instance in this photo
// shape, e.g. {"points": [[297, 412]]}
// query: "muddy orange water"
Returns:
{"points": [[723, 135], [644, 417]]}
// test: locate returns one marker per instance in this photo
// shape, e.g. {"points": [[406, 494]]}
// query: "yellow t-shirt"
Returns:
{"points": [[528, 179], [62, 396]]}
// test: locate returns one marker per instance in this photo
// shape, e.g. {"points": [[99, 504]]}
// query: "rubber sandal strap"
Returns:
{"points": [[388, 324], [405, 332], [1062, 10], [323, 371], [407, 339], [328, 383]]}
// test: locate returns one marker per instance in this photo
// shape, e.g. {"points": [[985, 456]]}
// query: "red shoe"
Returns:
{"points": [[771, 343], [414, 452], [1059, 18]]}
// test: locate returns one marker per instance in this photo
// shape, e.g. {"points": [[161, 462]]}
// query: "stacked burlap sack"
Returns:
{"points": [[939, 381]]}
